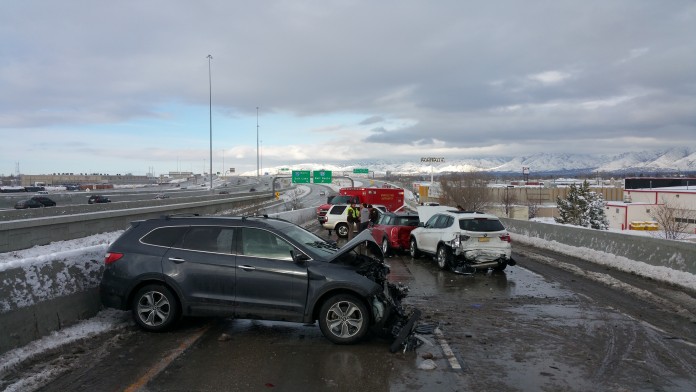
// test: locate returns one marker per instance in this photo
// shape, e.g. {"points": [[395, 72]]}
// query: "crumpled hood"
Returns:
{"points": [[364, 237]]}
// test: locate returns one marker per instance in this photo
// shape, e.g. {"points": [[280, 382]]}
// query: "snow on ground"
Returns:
{"points": [[104, 321]]}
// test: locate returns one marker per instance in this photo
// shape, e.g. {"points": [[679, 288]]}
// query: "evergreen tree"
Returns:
{"points": [[597, 219], [582, 207]]}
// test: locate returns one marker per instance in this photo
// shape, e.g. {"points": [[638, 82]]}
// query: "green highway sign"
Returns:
{"points": [[322, 176], [361, 171], [300, 176]]}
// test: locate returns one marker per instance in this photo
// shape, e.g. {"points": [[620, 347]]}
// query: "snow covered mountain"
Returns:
{"points": [[680, 159]]}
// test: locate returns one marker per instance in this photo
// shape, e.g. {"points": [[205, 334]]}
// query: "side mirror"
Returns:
{"points": [[300, 258]]}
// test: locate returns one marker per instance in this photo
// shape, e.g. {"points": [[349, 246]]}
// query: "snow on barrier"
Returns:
{"points": [[56, 288], [677, 255]]}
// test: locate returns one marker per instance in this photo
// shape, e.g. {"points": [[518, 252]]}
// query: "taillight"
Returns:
{"points": [[506, 238], [111, 257]]}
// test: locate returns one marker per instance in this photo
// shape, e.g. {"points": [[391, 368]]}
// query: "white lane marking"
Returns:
{"points": [[449, 354]]}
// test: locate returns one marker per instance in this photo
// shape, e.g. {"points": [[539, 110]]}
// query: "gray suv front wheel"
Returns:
{"points": [[344, 319]]}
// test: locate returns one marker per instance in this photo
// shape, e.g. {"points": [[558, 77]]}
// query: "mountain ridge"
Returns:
{"points": [[677, 159]]}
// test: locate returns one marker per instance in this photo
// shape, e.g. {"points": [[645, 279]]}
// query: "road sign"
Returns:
{"points": [[300, 176], [284, 169], [361, 171], [432, 159], [322, 176]]}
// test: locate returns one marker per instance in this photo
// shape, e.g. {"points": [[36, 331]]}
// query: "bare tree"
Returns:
{"points": [[294, 202], [533, 202], [508, 199], [469, 190], [673, 220]]}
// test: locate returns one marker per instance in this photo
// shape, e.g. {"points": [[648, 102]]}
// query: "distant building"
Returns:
{"points": [[62, 179], [639, 204]]}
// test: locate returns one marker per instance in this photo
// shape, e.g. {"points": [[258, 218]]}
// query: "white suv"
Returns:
{"points": [[336, 218], [463, 241]]}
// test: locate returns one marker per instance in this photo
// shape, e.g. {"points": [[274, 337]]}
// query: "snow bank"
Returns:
{"points": [[50, 271], [660, 273]]}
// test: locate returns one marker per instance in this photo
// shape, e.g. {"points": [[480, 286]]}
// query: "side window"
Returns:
{"points": [[337, 210], [208, 239], [443, 221], [164, 236], [431, 222], [264, 244]]}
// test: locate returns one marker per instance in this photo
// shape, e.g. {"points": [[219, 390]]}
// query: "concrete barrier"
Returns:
{"points": [[54, 291], [25, 233], [677, 255]]}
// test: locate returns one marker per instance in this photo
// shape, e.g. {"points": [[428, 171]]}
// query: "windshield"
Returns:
{"points": [[315, 246], [342, 199]]}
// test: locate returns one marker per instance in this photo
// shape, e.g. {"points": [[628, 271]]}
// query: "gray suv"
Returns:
{"points": [[253, 268]]}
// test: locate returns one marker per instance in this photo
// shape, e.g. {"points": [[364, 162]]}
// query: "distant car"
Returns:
{"points": [[95, 199], [462, 241], [322, 193], [44, 200], [29, 203], [393, 230], [161, 196], [223, 193], [252, 190], [42, 193]]}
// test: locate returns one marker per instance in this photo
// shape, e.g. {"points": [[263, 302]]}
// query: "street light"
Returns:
{"points": [[257, 142], [210, 92]]}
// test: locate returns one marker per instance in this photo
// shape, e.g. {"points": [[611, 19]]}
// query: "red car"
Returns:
{"points": [[392, 230]]}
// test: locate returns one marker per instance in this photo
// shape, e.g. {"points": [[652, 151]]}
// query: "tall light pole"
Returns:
{"points": [[210, 92], [257, 142]]}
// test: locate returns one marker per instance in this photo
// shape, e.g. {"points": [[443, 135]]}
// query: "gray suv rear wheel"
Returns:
{"points": [[155, 308]]}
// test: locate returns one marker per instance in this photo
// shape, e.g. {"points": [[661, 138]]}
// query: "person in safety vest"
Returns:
{"points": [[353, 218]]}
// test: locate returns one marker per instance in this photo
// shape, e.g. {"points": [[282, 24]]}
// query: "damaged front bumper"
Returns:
{"points": [[393, 321]]}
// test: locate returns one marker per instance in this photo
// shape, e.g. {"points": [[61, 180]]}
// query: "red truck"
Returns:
{"points": [[391, 198]]}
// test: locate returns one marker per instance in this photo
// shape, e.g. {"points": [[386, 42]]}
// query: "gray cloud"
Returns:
{"points": [[566, 75]]}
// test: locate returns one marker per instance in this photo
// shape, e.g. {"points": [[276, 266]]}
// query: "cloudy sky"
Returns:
{"points": [[123, 86]]}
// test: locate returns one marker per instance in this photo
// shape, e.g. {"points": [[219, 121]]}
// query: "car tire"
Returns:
{"points": [[342, 230], [443, 257], [344, 319], [385, 246], [155, 308], [500, 267], [413, 249]]}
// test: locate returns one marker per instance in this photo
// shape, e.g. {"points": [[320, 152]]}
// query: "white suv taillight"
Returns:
{"points": [[506, 238]]}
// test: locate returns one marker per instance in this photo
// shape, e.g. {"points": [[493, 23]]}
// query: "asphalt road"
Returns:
{"points": [[552, 323]]}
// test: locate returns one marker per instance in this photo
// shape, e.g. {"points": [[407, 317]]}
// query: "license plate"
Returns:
{"points": [[484, 239]]}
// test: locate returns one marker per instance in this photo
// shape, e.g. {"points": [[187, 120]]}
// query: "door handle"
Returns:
{"points": [[176, 260], [247, 267]]}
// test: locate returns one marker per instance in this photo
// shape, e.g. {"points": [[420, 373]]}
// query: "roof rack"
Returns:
{"points": [[245, 217], [181, 215]]}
